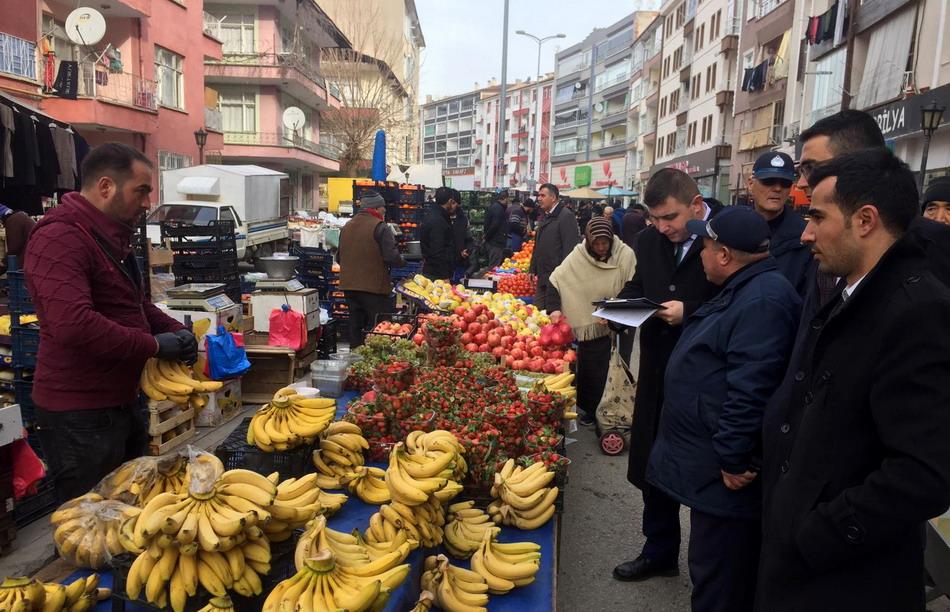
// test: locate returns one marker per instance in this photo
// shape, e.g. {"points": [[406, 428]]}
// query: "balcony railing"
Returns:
{"points": [[760, 138], [570, 148], [764, 7], [212, 26], [620, 141], [213, 120], [295, 61], [612, 113], [272, 139], [607, 83], [125, 88], [732, 27]]}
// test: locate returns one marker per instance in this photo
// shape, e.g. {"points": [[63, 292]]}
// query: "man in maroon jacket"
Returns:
{"points": [[97, 326]]}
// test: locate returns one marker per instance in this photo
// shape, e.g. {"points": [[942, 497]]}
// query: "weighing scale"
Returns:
{"points": [[206, 297], [279, 285]]}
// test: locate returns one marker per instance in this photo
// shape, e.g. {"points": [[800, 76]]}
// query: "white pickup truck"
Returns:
{"points": [[250, 196]]}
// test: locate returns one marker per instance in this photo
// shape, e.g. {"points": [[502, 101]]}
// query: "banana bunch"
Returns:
{"points": [[289, 421], [172, 380], [340, 452], [522, 496], [369, 484], [207, 535], [350, 550], [219, 604], [137, 481], [560, 383], [465, 529], [296, 504], [506, 566], [331, 502], [29, 595], [87, 530], [439, 441], [455, 589], [423, 523], [326, 583], [412, 478], [426, 599]]}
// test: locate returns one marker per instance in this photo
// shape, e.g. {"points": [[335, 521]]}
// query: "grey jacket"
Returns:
{"points": [[556, 237]]}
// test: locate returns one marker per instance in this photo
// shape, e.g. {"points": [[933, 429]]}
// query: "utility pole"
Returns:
{"points": [[501, 100]]}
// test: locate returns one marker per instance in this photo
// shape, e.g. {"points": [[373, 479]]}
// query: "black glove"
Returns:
{"points": [[169, 346], [189, 346]]}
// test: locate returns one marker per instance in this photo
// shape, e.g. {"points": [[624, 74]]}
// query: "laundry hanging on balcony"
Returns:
{"points": [[67, 80], [753, 79], [826, 26]]}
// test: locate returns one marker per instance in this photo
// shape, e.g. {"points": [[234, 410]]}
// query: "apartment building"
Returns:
{"points": [[389, 32], [591, 104], [270, 63], [644, 106], [448, 137], [527, 135], [694, 119], [141, 84]]}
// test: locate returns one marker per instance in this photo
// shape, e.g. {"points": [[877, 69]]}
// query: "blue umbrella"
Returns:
{"points": [[619, 192], [379, 157]]}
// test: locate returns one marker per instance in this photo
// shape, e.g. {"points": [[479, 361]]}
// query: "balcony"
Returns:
{"points": [[681, 118], [291, 72], [107, 100], [613, 85], [764, 7], [212, 26], [614, 115], [725, 97], [616, 145], [213, 120], [294, 151], [760, 138]]}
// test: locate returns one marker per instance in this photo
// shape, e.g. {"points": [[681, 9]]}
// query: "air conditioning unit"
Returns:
{"points": [[791, 132]]}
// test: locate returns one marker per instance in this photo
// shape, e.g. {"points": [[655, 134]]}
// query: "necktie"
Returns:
{"points": [[678, 253]]}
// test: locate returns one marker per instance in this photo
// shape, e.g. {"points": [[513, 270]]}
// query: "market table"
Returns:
{"points": [[355, 514]]}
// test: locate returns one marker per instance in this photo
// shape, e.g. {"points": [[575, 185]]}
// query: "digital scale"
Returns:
{"points": [[281, 285], [206, 297]]}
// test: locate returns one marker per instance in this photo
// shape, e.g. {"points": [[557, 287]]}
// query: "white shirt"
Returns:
{"points": [[848, 291], [688, 243]]}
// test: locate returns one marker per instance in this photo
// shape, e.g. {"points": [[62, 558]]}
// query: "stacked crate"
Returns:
{"points": [[204, 254], [315, 271]]}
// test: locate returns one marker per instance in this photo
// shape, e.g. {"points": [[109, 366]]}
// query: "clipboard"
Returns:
{"points": [[628, 304]]}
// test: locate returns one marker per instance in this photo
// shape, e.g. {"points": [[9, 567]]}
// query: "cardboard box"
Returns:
{"points": [[222, 405], [231, 318], [306, 301]]}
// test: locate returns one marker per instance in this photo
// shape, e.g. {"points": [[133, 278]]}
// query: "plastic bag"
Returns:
{"points": [[27, 468], [615, 410], [287, 328], [90, 530], [137, 481], [226, 359]]}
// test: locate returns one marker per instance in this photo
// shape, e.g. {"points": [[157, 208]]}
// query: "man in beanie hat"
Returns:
{"points": [[597, 268], [367, 252], [772, 176], [731, 355], [937, 200]]}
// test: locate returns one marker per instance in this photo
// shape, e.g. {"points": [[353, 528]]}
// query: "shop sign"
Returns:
{"points": [[458, 171], [903, 117], [604, 173], [702, 163]]}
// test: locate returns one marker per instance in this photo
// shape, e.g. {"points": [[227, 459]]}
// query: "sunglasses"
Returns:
{"points": [[772, 182], [804, 169]]}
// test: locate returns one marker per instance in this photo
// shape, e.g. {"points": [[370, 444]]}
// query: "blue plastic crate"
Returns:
{"points": [[23, 392], [20, 300], [310, 257], [34, 507], [26, 345]]}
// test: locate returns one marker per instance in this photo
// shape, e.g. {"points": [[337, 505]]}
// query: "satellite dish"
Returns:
{"points": [[294, 118], [599, 107], [85, 26], [578, 85]]}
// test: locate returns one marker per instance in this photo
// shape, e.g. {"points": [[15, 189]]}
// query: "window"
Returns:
{"points": [[430, 147], [467, 104], [170, 161], [659, 144], [674, 101], [169, 79], [678, 58], [451, 162], [17, 56], [227, 214], [680, 15], [430, 130], [464, 161], [453, 107], [238, 111], [691, 135], [443, 110], [237, 33], [714, 25], [663, 107], [695, 86], [611, 76], [429, 113], [440, 129], [666, 67], [711, 77]]}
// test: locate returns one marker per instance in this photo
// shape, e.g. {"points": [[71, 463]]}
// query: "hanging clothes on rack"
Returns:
{"points": [[66, 153], [7, 128], [47, 174]]}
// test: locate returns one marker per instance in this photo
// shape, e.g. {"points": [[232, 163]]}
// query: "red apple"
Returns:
{"points": [[570, 356], [471, 347], [518, 364], [548, 367], [557, 354], [537, 351], [489, 314], [466, 338], [507, 341], [460, 311], [497, 352], [478, 309], [538, 364], [483, 348], [469, 316], [418, 339], [481, 338], [481, 318], [560, 368], [494, 340], [474, 328], [510, 361]]}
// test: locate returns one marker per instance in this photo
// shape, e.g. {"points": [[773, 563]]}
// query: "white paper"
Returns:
{"points": [[631, 317]]}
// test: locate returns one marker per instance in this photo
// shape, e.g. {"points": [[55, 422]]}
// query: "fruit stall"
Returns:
{"points": [[435, 483]]}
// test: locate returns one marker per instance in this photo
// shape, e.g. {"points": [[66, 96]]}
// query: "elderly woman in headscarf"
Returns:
{"points": [[597, 268]]}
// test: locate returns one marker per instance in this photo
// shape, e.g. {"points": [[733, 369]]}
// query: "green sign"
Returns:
{"points": [[582, 176]]}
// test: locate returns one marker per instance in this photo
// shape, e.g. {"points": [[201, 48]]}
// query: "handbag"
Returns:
{"points": [[615, 410], [226, 359]]}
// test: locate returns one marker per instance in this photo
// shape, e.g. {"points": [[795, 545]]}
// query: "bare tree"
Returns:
{"points": [[372, 96]]}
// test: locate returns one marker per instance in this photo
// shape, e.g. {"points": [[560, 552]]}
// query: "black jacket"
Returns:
{"points": [[517, 220], [438, 243], [463, 237], [792, 257], [661, 280], [496, 224], [856, 453], [555, 237]]}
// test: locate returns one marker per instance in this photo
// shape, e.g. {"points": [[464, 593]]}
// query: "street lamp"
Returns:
{"points": [[930, 117], [201, 138], [540, 42]]}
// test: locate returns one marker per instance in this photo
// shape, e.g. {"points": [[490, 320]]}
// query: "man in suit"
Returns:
{"points": [[554, 239], [669, 271], [855, 438]]}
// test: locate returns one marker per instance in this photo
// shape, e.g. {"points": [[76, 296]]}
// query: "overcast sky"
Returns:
{"points": [[463, 37]]}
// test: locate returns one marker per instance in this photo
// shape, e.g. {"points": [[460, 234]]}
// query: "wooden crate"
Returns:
{"points": [[170, 425], [223, 405]]}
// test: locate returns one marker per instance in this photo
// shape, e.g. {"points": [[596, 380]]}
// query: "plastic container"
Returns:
{"points": [[326, 367], [330, 384]]}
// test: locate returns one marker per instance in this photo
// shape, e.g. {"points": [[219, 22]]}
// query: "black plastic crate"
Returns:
{"points": [[411, 196], [20, 301], [26, 344], [329, 337], [34, 507], [235, 453], [213, 256], [214, 229], [22, 391], [397, 318], [315, 282], [310, 257], [408, 271]]}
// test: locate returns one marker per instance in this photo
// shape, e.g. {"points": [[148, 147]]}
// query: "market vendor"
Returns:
{"points": [[17, 226], [97, 326], [438, 237], [367, 252]]}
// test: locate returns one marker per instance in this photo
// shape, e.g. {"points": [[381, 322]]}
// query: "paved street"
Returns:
{"points": [[600, 528]]}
